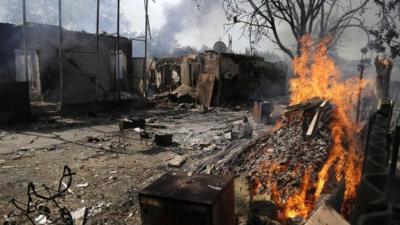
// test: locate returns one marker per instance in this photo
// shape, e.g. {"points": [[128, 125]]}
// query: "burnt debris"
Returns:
{"points": [[43, 204]]}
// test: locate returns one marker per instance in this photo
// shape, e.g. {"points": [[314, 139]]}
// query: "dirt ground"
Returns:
{"points": [[108, 175]]}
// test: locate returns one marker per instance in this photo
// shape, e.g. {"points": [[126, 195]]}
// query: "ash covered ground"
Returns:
{"points": [[109, 176]]}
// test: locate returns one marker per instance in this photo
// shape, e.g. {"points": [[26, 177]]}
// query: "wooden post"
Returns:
{"points": [[60, 56], [97, 48], [383, 69], [359, 93], [117, 54], [144, 73], [361, 67]]}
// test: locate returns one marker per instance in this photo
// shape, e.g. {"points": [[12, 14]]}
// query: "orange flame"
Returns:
{"points": [[316, 75], [277, 126], [299, 204]]}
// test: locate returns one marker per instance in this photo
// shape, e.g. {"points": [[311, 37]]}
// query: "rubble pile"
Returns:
{"points": [[277, 163]]}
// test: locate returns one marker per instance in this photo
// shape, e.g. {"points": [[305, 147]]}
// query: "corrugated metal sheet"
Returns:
{"points": [[373, 205]]}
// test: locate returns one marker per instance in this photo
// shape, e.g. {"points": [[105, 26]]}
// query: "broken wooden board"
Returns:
{"points": [[317, 116], [309, 104], [229, 152], [205, 88], [316, 113], [242, 200], [326, 215]]}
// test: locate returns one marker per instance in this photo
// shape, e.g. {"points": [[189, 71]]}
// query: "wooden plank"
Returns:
{"points": [[317, 116], [313, 124], [312, 103]]}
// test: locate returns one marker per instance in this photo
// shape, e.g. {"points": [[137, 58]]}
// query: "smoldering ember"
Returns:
{"points": [[199, 112]]}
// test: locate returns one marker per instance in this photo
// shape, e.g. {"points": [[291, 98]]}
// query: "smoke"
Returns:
{"points": [[179, 18]]}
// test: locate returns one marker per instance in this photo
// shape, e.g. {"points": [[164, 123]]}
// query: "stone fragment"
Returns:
{"points": [[177, 161], [241, 129]]}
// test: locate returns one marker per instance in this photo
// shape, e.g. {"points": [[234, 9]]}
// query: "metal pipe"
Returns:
{"points": [[97, 47], [118, 75], [24, 36], [60, 56], [144, 75], [25, 41], [362, 67]]}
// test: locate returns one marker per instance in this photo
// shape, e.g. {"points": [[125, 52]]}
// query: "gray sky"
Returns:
{"points": [[205, 26], [179, 22]]}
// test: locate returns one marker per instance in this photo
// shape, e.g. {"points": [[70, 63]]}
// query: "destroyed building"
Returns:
{"points": [[78, 66], [219, 78]]}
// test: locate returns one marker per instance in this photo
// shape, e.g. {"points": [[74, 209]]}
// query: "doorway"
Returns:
{"points": [[35, 88]]}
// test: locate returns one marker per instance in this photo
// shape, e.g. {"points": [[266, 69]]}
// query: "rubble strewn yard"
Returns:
{"points": [[110, 166]]}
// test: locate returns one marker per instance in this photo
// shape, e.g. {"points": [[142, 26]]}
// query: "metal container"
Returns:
{"points": [[179, 198], [262, 111], [163, 139]]}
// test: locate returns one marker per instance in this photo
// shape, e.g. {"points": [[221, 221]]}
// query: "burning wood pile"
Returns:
{"points": [[285, 163], [292, 158], [313, 148], [301, 136]]}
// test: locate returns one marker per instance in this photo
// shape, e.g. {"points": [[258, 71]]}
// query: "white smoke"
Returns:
{"points": [[180, 17]]}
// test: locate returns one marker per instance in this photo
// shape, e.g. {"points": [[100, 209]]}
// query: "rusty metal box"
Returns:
{"points": [[179, 198], [262, 111]]}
